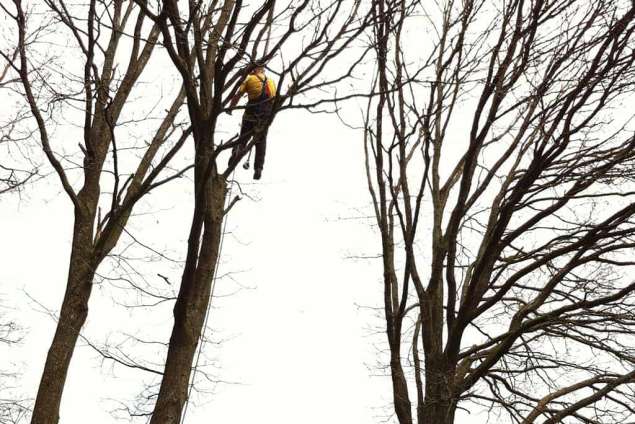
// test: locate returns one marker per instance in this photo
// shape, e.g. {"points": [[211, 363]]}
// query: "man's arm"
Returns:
{"points": [[234, 101], [236, 98]]}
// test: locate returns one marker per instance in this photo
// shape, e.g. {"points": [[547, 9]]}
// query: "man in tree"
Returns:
{"points": [[260, 92]]}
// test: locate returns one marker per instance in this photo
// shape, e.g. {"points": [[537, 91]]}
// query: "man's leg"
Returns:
{"points": [[261, 149], [246, 131]]}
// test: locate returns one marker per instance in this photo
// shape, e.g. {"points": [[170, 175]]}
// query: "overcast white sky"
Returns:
{"points": [[297, 339], [297, 334], [297, 343]]}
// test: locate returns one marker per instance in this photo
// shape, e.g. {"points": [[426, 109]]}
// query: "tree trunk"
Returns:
{"points": [[403, 407], [439, 405], [437, 412], [192, 303], [72, 317]]}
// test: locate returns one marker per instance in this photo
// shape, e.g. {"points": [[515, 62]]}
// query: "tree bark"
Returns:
{"points": [[192, 302], [437, 411], [401, 398], [439, 404], [71, 319]]}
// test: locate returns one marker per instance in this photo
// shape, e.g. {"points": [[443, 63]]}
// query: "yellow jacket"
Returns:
{"points": [[252, 85]]}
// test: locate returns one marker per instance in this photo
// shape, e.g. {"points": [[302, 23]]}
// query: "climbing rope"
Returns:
{"points": [[209, 304]]}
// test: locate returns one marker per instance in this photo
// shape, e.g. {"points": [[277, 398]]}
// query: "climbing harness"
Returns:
{"points": [[259, 110], [260, 107]]}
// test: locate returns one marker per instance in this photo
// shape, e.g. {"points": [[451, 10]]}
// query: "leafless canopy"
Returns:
{"points": [[501, 172], [209, 43], [16, 165], [13, 409], [76, 77]]}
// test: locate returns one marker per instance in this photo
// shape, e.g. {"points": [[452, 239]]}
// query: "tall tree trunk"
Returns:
{"points": [[71, 319], [437, 411], [192, 302], [401, 398], [439, 405]]}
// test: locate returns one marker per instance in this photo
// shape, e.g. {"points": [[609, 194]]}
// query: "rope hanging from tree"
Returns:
{"points": [[209, 306]]}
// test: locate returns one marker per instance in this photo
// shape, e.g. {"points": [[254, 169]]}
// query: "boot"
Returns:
{"points": [[257, 173]]}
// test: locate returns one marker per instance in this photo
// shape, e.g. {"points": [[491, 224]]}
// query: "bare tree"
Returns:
{"points": [[15, 172], [90, 86], [209, 42], [500, 165], [12, 408]]}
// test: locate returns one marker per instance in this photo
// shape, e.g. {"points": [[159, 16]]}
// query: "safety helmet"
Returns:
{"points": [[259, 63]]}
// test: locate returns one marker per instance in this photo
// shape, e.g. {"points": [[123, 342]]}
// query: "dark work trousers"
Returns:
{"points": [[255, 126]]}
